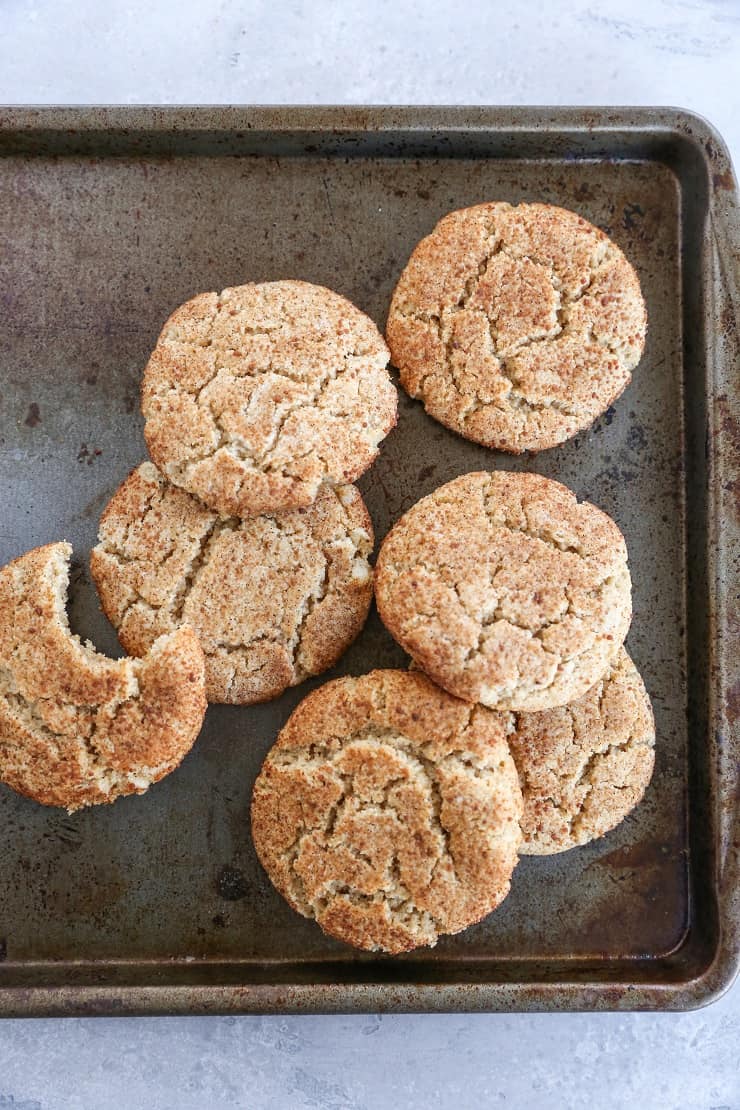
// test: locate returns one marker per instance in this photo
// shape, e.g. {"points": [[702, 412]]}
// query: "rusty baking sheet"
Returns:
{"points": [[109, 218]]}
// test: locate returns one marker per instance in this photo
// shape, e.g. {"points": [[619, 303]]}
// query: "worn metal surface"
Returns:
{"points": [[109, 218]]}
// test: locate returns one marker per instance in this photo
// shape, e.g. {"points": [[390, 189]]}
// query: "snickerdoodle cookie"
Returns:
{"points": [[506, 590], [255, 397], [585, 766], [77, 728], [389, 811], [516, 326], [273, 599]]}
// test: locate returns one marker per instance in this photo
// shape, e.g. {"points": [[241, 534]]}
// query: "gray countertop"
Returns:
{"points": [[391, 51]]}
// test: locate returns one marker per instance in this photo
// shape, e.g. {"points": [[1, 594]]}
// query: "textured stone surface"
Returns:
{"points": [[532, 1062], [627, 52]]}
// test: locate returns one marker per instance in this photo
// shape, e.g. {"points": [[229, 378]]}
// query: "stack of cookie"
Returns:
{"points": [[237, 569], [393, 807], [261, 406]]}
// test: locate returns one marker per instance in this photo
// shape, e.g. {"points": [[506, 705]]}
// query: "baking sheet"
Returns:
{"points": [[111, 217]]}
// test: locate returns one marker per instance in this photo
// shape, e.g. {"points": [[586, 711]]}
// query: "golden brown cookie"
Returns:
{"points": [[77, 728], [256, 397], [273, 599], [389, 811], [516, 326], [585, 766], [506, 590]]}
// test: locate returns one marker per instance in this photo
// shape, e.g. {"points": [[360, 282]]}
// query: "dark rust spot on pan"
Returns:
{"points": [[723, 180], [232, 884], [728, 423], [632, 213], [732, 703], [88, 454], [33, 416], [643, 854]]}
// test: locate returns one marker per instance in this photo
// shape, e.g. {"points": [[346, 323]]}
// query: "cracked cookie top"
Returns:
{"points": [[255, 397], [585, 766], [273, 599], [516, 326], [389, 811], [506, 590], [77, 728]]}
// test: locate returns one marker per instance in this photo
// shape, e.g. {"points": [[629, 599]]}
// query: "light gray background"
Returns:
{"points": [[392, 51]]}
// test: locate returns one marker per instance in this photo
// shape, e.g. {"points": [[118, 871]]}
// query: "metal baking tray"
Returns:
{"points": [[111, 216]]}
